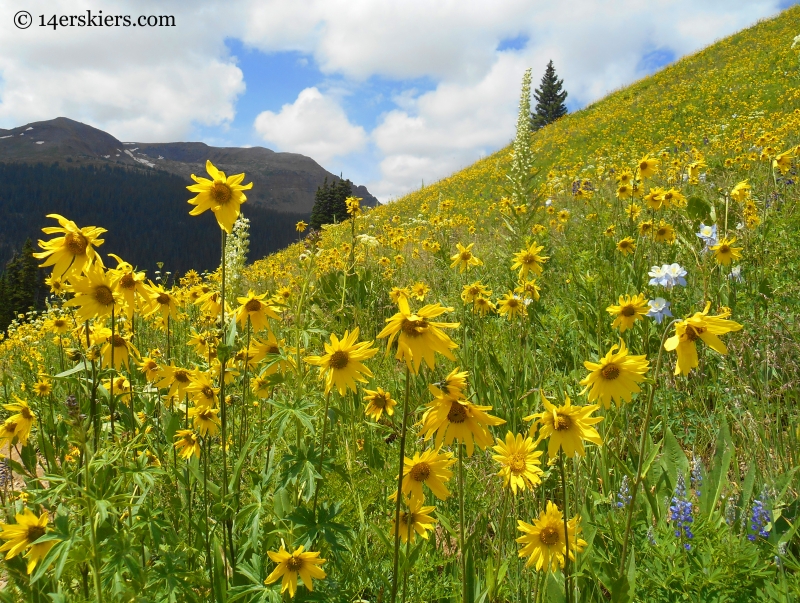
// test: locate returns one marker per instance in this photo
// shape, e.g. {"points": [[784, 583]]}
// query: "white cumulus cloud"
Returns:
{"points": [[313, 125]]}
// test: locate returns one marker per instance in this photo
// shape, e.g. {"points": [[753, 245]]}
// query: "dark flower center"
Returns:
{"points": [[414, 328], [627, 311], [182, 376], [208, 392], [221, 193], [457, 413], [549, 536], [562, 423], [380, 401], [127, 281], [272, 349], [293, 564], [118, 342], [34, 533], [253, 305], [610, 372], [339, 359], [76, 243], [517, 463], [163, 299], [420, 472], [103, 295]]}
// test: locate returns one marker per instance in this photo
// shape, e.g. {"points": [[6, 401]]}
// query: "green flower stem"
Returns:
{"points": [[642, 442], [322, 449], [567, 589], [396, 560], [461, 523]]}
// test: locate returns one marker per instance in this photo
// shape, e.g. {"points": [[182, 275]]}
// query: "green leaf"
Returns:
{"points": [[673, 460], [555, 588], [28, 456], [719, 471], [78, 368], [219, 585], [698, 208]]}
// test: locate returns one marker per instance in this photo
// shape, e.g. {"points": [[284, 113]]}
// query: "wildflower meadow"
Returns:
{"points": [[566, 373]]}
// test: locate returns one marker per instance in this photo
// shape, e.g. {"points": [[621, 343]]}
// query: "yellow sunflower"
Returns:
{"points": [[626, 246], [177, 379], [429, 468], [253, 306], [378, 401], [474, 290], [94, 294], [615, 377], [222, 195], [205, 420], [418, 338], [161, 300], [725, 252], [464, 259], [201, 390], [415, 520], [451, 418], [483, 306], [341, 364], [290, 565], [520, 465], [647, 166], [567, 427], [24, 534], [511, 305], [187, 444], [629, 310], [529, 260], [72, 253], [699, 326], [23, 420], [544, 542]]}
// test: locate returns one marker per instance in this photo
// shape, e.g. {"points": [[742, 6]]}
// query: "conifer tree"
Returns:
{"points": [[329, 205], [549, 99]]}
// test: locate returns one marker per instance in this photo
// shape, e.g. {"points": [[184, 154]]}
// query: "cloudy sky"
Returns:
{"points": [[390, 93]]}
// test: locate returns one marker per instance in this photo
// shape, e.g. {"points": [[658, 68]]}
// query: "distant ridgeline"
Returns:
{"points": [[145, 213]]}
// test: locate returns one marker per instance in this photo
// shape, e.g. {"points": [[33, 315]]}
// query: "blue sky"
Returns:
{"points": [[388, 93]]}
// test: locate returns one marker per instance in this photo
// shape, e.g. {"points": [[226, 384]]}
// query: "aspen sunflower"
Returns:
{"points": [[529, 260], [429, 468], [474, 290], [511, 305], [528, 290], [419, 291], [301, 226], [290, 565], [121, 344], [741, 192], [23, 535], [353, 206], [655, 198], [201, 390], [615, 377], [664, 233], [205, 420], [149, 368], [544, 542], [453, 385], [177, 379], [57, 324], [725, 252], [122, 387], [699, 326], [378, 401], [567, 427], [419, 338], [341, 364], [629, 310], [94, 294], [397, 292], [23, 420], [520, 465], [647, 166], [253, 306], [187, 444], [72, 253], [270, 351], [673, 197], [43, 387], [161, 300], [464, 259], [483, 306], [222, 195], [454, 418], [128, 283], [415, 520], [626, 246]]}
